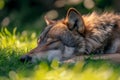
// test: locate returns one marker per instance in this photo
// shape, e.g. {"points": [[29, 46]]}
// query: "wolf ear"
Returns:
{"points": [[48, 21], [74, 20]]}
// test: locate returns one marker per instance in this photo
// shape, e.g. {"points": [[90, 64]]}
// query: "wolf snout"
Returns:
{"points": [[25, 58]]}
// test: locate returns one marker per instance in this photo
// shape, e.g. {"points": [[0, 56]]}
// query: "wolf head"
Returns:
{"points": [[59, 39]]}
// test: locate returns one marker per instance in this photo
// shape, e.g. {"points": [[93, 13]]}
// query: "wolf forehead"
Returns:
{"points": [[54, 30], [59, 30]]}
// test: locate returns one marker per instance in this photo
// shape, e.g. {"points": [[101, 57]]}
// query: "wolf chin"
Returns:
{"points": [[76, 35]]}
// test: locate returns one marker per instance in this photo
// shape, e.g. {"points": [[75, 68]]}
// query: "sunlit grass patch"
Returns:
{"points": [[44, 71], [16, 41], [14, 44]]}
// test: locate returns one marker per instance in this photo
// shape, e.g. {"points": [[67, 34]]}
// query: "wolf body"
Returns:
{"points": [[102, 33], [76, 35]]}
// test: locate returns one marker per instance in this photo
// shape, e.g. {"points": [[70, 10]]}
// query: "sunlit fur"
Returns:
{"points": [[102, 32], [76, 35]]}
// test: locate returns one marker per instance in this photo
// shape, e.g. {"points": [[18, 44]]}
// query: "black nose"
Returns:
{"points": [[25, 58]]}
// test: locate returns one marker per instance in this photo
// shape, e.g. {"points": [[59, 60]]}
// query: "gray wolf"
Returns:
{"points": [[76, 35]]}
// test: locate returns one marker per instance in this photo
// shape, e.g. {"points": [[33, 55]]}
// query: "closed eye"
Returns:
{"points": [[51, 42]]}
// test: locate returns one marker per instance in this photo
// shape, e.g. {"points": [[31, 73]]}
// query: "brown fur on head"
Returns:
{"points": [[68, 28], [59, 38]]}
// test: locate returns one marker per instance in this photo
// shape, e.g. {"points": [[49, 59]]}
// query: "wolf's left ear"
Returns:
{"points": [[74, 20], [48, 21]]}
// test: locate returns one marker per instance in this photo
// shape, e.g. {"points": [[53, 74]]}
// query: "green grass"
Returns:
{"points": [[14, 44]]}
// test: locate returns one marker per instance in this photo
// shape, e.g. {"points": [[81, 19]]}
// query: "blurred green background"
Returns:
{"points": [[20, 17], [29, 14]]}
